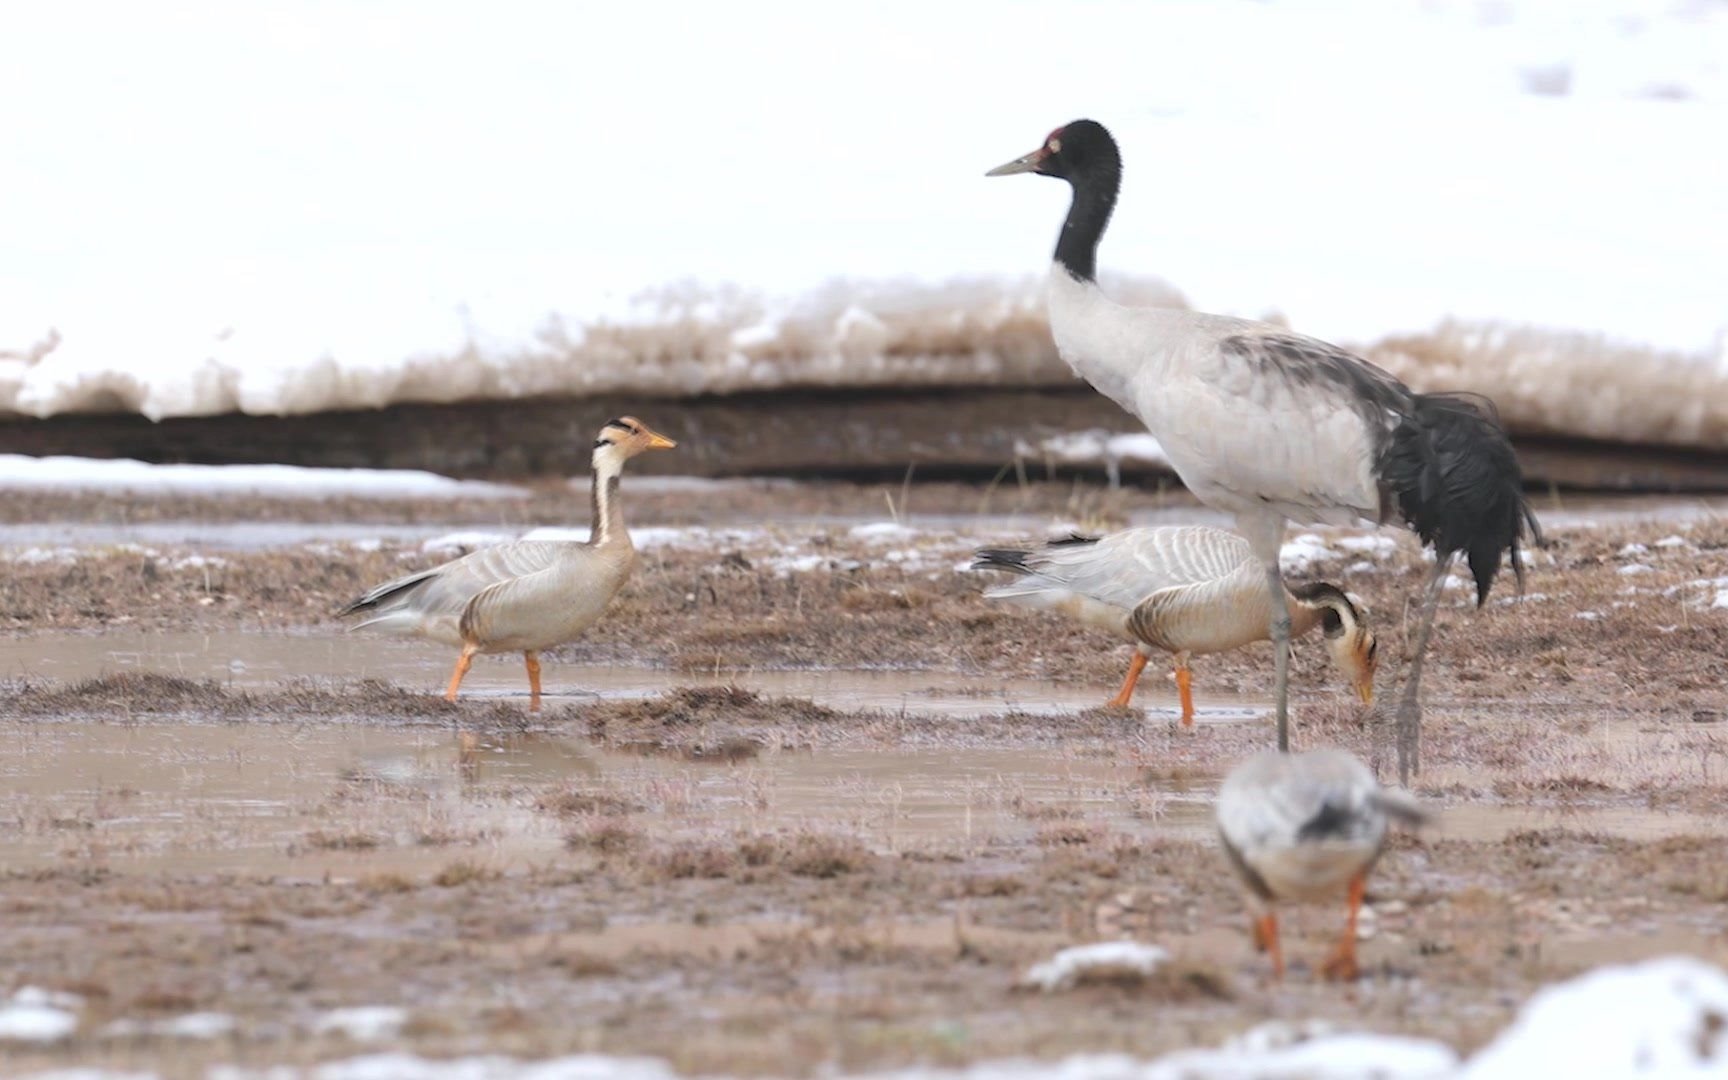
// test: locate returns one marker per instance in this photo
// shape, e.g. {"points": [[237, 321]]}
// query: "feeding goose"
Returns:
{"points": [[1310, 826], [1271, 426], [1185, 589], [526, 595]]}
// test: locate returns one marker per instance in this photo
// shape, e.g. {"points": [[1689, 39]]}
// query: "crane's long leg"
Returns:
{"points": [[1409, 708], [532, 660], [1266, 537], [463, 663], [1135, 666], [1280, 629]]}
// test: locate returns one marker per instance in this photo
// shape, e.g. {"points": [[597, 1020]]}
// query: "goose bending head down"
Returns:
{"points": [[1182, 589], [526, 595], [1271, 426], [1300, 827]]}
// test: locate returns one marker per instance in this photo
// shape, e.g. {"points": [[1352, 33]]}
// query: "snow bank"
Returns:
{"points": [[432, 243], [62, 474], [1663, 1019]]}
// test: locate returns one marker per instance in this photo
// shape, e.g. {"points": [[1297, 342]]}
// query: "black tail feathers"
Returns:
{"points": [[1450, 469], [1012, 560]]}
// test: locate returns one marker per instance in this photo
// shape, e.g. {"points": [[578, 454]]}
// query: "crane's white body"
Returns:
{"points": [[1245, 441]]}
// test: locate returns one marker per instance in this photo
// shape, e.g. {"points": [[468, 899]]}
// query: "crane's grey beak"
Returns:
{"points": [[1029, 163]]}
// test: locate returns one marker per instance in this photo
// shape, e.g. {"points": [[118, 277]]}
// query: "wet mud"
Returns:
{"points": [[780, 816]]}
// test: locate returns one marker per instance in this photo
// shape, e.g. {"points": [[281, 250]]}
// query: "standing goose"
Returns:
{"points": [[1185, 589], [1271, 426], [526, 595], [1307, 827]]}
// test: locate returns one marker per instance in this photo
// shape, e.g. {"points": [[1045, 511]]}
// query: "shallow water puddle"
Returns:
{"points": [[345, 800], [309, 801], [265, 661]]}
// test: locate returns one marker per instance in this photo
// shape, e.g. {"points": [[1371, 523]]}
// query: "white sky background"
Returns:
{"points": [[369, 178]]}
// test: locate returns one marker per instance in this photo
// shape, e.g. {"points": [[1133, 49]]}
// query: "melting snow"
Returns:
{"points": [[200, 1025], [1665, 1018], [1635, 568], [1069, 966], [1300, 553], [1376, 545], [33, 1014], [1672, 542], [22, 473], [882, 532], [363, 1023]]}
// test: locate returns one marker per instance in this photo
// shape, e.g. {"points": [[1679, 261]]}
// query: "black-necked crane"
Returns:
{"points": [[1187, 590], [1271, 426]]}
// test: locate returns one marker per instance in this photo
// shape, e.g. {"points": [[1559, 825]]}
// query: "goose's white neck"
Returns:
{"points": [[608, 525]]}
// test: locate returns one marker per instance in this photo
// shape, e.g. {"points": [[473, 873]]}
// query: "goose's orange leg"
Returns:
{"points": [[463, 663], [1266, 940], [1135, 667], [532, 659], [1342, 965], [1185, 690]]}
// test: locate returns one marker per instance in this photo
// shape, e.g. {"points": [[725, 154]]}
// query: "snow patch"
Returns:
{"points": [[19, 472], [199, 1025], [362, 1023], [1303, 552], [1373, 545], [882, 532], [1663, 1018], [33, 1014], [1070, 966]]}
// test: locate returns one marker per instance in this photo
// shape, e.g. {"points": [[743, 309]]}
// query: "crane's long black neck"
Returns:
{"points": [[1095, 185]]}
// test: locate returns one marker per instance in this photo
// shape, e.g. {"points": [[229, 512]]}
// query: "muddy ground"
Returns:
{"points": [[666, 887]]}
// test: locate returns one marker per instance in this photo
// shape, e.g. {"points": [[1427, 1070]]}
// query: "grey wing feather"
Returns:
{"points": [[1257, 379], [443, 593], [1124, 568]]}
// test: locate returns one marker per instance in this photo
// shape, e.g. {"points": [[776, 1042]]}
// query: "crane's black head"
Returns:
{"points": [[1085, 155], [1080, 149]]}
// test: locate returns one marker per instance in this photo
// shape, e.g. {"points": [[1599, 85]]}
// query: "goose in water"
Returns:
{"points": [[526, 595], [1310, 826], [1271, 426], [1185, 589]]}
